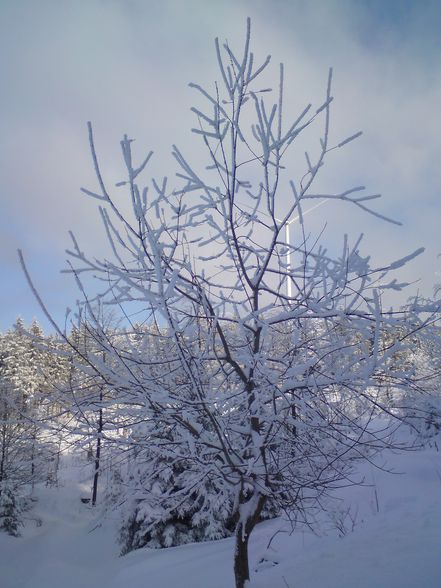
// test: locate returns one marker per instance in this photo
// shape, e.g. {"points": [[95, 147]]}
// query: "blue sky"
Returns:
{"points": [[125, 65]]}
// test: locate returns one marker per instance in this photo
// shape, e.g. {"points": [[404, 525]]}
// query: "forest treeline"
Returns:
{"points": [[53, 402]]}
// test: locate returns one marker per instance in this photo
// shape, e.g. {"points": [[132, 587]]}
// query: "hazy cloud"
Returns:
{"points": [[125, 65]]}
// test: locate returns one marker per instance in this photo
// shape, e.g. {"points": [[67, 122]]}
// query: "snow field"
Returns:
{"points": [[395, 541]]}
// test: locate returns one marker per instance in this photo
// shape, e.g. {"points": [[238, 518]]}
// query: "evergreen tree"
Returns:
{"points": [[9, 509]]}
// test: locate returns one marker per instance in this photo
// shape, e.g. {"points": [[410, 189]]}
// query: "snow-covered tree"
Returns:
{"points": [[28, 375], [421, 406], [94, 416], [258, 380], [10, 509], [17, 389]]}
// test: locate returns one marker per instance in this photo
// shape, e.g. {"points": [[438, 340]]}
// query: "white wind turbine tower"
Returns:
{"points": [[288, 244]]}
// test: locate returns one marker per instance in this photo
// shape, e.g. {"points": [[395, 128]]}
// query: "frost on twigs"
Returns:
{"points": [[261, 362]]}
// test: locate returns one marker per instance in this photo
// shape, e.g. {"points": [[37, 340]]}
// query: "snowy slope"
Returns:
{"points": [[395, 543], [62, 551]]}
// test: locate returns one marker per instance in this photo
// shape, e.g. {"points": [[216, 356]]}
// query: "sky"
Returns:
{"points": [[125, 65]]}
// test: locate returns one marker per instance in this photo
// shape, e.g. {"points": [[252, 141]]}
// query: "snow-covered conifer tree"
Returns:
{"points": [[27, 378], [9, 509]]}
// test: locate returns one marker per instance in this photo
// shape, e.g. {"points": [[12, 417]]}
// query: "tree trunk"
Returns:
{"points": [[97, 453], [34, 440], [241, 565], [3, 455], [243, 532], [57, 463]]}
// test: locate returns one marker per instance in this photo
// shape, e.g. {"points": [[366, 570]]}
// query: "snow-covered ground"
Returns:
{"points": [[392, 540]]}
